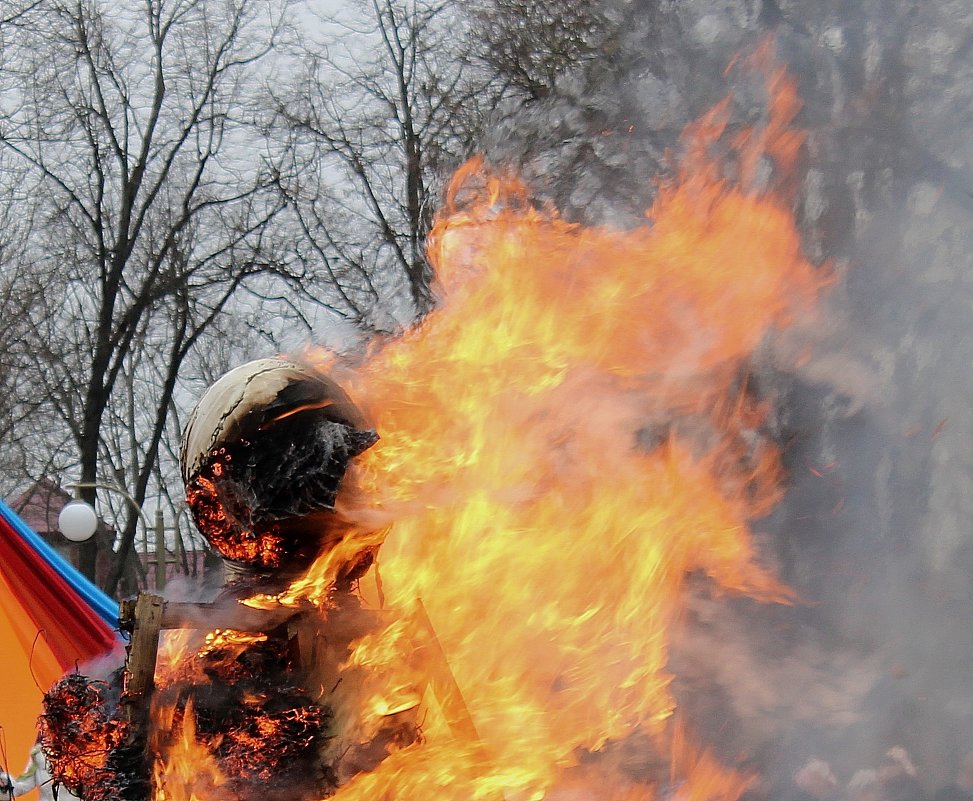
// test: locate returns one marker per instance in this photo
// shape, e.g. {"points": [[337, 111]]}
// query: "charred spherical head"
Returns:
{"points": [[266, 450]]}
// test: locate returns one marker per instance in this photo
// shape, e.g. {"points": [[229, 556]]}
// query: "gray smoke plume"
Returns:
{"points": [[874, 532]]}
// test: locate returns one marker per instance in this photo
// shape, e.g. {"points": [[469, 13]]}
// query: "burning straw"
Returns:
{"points": [[87, 742]]}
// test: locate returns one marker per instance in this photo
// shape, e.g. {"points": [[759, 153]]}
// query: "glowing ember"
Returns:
{"points": [[232, 705], [84, 739], [229, 526]]}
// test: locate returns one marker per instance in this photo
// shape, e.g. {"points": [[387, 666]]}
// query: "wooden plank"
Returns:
{"points": [[143, 619], [142, 652], [441, 678], [444, 686], [232, 615]]}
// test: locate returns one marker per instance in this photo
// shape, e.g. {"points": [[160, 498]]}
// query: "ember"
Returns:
{"points": [[239, 695], [266, 449], [228, 522], [87, 743]]}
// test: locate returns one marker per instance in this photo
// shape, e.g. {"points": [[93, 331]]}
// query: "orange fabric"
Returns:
{"points": [[33, 644], [20, 695], [47, 627]]}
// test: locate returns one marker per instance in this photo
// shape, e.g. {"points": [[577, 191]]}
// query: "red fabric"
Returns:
{"points": [[72, 630]]}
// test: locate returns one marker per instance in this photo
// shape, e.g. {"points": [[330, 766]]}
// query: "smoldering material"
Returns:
{"points": [[266, 446]]}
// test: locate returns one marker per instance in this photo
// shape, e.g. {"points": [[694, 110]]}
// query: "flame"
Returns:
{"points": [[252, 729], [317, 584], [567, 437], [184, 769], [188, 772]]}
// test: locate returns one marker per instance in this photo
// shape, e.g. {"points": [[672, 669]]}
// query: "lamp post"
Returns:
{"points": [[78, 522]]}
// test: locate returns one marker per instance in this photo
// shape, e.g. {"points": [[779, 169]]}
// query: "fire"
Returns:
{"points": [[566, 438], [230, 529], [227, 720], [189, 772]]}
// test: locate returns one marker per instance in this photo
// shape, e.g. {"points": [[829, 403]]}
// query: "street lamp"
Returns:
{"points": [[77, 521]]}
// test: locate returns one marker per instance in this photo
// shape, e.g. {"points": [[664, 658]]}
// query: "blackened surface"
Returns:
{"points": [[263, 729], [245, 489], [294, 468]]}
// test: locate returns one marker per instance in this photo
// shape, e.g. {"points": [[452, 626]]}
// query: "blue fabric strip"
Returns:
{"points": [[104, 606]]}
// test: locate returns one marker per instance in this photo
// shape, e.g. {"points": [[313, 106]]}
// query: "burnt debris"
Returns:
{"points": [[268, 446], [92, 750], [246, 708]]}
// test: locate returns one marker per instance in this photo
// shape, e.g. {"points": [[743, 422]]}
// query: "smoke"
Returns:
{"points": [[873, 532]]}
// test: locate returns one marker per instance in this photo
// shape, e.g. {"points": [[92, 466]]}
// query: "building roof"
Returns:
{"points": [[39, 506]]}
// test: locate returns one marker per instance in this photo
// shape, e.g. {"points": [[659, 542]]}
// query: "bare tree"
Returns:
{"points": [[156, 204], [17, 13], [526, 45], [386, 101], [20, 293], [150, 207], [389, 98]]}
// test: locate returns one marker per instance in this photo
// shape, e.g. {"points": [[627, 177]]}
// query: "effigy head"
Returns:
{"points": [[263, 458]]}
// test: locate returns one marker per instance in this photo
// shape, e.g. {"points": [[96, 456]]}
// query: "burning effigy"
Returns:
{"points": [[272, 703], [260, 704], [264, 457], [454, 568]]}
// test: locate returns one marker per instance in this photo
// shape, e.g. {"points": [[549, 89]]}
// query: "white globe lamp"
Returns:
{"points": [[77, 521]]}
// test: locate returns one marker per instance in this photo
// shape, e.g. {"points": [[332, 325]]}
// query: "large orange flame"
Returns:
{"points": [[564, 439]]}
